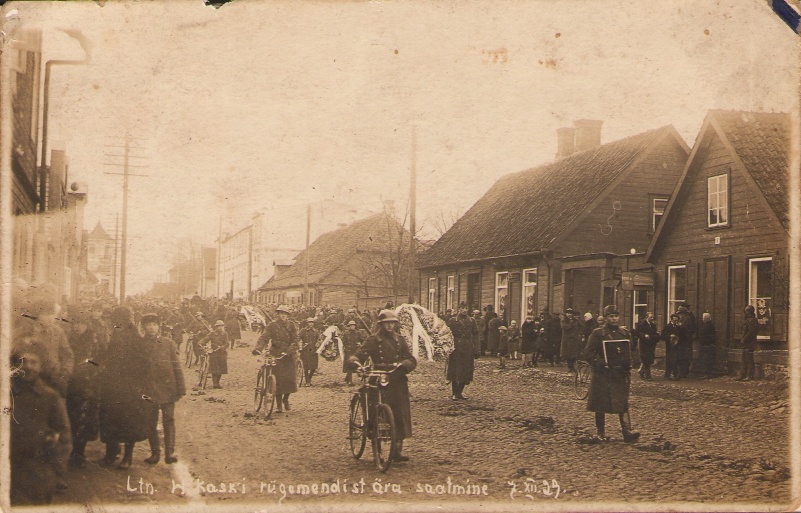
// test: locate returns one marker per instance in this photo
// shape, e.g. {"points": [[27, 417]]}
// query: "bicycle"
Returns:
{"points": [[371, 418], [265, 384], [204, 366], [581, 383], [300, 374]]}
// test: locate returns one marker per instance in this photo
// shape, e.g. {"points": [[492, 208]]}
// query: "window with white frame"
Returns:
{"points": [[432, 294], [658, 205], [640, 306], [677, 287], [529, 293], [501, 291], [450, 294], [718, 200], [760, 292]]}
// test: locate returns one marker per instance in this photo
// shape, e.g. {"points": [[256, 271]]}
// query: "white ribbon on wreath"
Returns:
{"points": [[332, 333], [419, 333]]}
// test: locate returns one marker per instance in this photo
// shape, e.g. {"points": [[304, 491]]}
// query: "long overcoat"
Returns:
{"points": [[571, 338], [218, 358], [609, 387], [125, 411], [284, 338], [493, 334], [648, 336], [351, 340], [386, 349], [165, 377], [309, 341], [461, 361], [528, 333]]}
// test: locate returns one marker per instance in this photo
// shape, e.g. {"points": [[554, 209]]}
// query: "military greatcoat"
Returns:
{"points": [[609, 387]]}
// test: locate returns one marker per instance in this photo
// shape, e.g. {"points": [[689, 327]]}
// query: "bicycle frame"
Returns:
{"points": [[369, 397]]}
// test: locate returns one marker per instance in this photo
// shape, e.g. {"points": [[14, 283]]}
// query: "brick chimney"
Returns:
{"points": [[588, 134], [566, 142]]}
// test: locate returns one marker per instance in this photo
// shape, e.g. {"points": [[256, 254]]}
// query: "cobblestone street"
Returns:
{"points": [[521, 437]]}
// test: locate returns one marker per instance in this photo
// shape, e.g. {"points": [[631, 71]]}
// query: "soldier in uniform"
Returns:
{"points": [[351, 340], [389, 351], [461, 361], [309, 340], [609, 386], [280, 337], [218, 354]]}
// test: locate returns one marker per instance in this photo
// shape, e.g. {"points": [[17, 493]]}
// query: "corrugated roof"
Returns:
{"points": [[525, 211], [762, 141], [332, 250]]}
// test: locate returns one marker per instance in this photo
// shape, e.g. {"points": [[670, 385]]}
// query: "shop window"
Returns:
{"points": [[760, 292], [501, 291]]}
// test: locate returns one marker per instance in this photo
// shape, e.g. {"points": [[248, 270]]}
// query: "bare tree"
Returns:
{"points": [[443, 219]]}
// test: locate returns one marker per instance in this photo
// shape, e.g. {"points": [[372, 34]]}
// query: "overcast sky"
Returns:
{"points": [[282, 103]]}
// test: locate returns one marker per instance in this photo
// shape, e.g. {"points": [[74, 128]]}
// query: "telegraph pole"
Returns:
{"points": [[126, 156], [412, 214], [306, 297], [116, 248]]}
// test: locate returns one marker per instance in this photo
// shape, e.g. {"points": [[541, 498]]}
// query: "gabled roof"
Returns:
{"points": [[99, 233], [524, 212], [332, 250], [761, 141]]}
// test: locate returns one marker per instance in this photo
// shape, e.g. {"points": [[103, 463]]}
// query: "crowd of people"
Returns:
{"points": [[99, 370]]}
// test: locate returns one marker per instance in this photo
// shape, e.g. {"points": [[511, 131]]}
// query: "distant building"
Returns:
{"points": [[566, 234], [724, 239], [100, 261], [366, 259]]}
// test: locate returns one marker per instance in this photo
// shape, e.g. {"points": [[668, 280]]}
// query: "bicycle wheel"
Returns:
{"points": [[357, 435], [384, 437], [581, 385], [269, 395], [261, 389], [299, 373], [204, 371]]}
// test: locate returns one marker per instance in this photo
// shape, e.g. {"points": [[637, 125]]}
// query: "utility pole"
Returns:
{"points": [[306, 297], [126, 156], [218, 274], [412, 214], [116, 248]]}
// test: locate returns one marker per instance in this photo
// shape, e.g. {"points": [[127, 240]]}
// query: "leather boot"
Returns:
{"points": [[286, 402], [112, 451], [398, 449], [169, 444], [127, 458], [625, 425], [154, 457]]}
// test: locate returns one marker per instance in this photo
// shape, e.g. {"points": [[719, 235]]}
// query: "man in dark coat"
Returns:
{"points": [[216, 346], [685, 350], [309, 341], [232, 327], [610, 384], [352, 338], [389, 351], [675, 337], [40, 429], [461, 361], [280, 338], [165, 386], [493, 334], [478, 340], [749, 340], [528, 334], [83, 392], [571, 344], [647, 336], [553, 338]]}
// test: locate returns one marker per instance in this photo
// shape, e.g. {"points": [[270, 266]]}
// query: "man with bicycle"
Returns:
{"points": [[215, 344], [280, 337], [389, 351]]}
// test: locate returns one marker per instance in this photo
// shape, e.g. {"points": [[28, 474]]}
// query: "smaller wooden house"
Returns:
{"points": [[368, 258], [724, 240]]}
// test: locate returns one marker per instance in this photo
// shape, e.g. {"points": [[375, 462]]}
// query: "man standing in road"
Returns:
{"points": [[389, 351], [461, 361], [280, 338], [648, 336], [750, 329], [571, 344], [309, 340], [611, 382], [165, 387], [217, 341], [351, 340]]}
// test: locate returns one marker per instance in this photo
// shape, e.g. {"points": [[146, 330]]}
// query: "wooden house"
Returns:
{"points": [[571, 233], [723, 242]]}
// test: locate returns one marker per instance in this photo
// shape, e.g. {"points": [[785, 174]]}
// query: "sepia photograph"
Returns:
{"points": [[516, 255]]}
